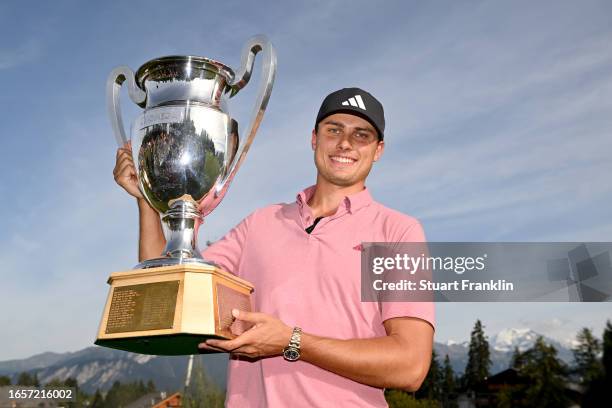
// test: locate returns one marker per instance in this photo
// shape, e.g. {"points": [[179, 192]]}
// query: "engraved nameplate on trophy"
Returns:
{"points": [[147, 306]]}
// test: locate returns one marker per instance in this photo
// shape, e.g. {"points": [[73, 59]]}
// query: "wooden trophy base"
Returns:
{"points": [[170, 310]]}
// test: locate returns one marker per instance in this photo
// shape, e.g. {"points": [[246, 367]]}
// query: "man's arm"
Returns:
{"points": [[398, 360], [151, 241]]}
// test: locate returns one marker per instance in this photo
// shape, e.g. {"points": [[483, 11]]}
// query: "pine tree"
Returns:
{"points": [[599, 387], [479, 361], [151, 386], [403, 399], [28, 380], [449, 384], [544, 379], [548, 374], [517, 359], [122, 394], [432, 385], [201, 391], [98, 400], [607, 353], [4, 380], [586, 357], [113, 397]]}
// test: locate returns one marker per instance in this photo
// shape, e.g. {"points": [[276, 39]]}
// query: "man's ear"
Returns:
{"points": [[379, 150], [313, 140]]}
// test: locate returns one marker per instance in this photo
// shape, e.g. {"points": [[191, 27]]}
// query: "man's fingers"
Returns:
{"points": [[125, 169], [123, 150], [124, 159], [123, 162], [226, 345], [123, 155], [205, 346], [231, 345], [253, 317]]}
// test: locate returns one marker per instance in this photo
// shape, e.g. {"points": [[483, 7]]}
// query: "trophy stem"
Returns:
{"points": [[180, 225]]}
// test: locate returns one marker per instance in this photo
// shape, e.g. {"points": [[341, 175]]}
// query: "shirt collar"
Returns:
{"points": [[352, 202]]}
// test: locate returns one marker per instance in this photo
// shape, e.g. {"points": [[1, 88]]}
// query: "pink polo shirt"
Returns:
{"points": [[312, 281]]}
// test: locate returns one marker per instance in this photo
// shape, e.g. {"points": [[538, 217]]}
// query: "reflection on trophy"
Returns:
{"points": [[186, 150]]}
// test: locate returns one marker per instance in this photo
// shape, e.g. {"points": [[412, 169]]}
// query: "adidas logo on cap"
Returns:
{"points": [[355, 101]]}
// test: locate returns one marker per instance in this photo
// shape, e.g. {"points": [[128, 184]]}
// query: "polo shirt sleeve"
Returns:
{"points": [[421, 310], [227, 251]]}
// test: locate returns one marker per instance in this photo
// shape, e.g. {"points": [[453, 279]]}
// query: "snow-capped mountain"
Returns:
{"points": [[501, 347], [508, 339]]}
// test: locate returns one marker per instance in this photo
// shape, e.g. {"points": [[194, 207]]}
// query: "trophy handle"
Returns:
{"points": [[268, 71], [113, 86]]}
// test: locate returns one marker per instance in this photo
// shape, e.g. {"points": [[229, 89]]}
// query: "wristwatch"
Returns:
{"points": [[292, 351]]}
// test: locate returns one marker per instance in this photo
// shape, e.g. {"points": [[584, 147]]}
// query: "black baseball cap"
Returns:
{"points": [[354, 101]]}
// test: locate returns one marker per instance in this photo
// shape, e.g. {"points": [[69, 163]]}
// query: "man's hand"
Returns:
{"points": [[151, 239], [125, 172], [268, 337]]}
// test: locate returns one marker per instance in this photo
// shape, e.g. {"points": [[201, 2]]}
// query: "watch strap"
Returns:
{"points": [[296, 338]]}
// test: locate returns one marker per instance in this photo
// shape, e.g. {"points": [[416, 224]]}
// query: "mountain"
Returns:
{"points": [[30, 363], [507, 339], [501, 347], [98, 367]]}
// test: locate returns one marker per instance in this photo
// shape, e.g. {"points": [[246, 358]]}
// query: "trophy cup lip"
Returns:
{"points": [[211, 64]]}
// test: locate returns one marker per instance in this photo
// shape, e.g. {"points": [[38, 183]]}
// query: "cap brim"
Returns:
{"points": [[354, 111]]}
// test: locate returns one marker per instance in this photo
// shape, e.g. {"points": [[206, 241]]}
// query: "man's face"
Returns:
{"points": [[345, 148]]}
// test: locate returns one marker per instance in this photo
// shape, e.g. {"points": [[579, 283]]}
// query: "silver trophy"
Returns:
{"points": [[185, 144], [186, 150]]}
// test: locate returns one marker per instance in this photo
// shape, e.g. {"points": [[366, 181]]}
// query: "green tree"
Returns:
{"points": [[517, 358], [599, 386], [586, 357], [544, 377], [449, 384], [122, 394], [607, 353], [28, 380], [479, 361], [201, 391], [98, 400], [403, 399], [113, 396], [432, 385], [55, 383], [81, 397], [4, 380]]}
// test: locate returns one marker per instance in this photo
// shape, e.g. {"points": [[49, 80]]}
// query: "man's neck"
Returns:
{"points": [[327, 197]]}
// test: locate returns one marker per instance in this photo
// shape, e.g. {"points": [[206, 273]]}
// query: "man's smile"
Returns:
{"points": [[342, 160]]}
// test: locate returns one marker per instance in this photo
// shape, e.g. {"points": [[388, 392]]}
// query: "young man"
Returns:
{"points": [[314, 343]]}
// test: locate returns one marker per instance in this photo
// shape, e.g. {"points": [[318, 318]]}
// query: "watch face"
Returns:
{"points": [[291, 354]]}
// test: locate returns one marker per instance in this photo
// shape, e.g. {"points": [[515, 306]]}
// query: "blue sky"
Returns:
{"points": [[499, 128]]}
